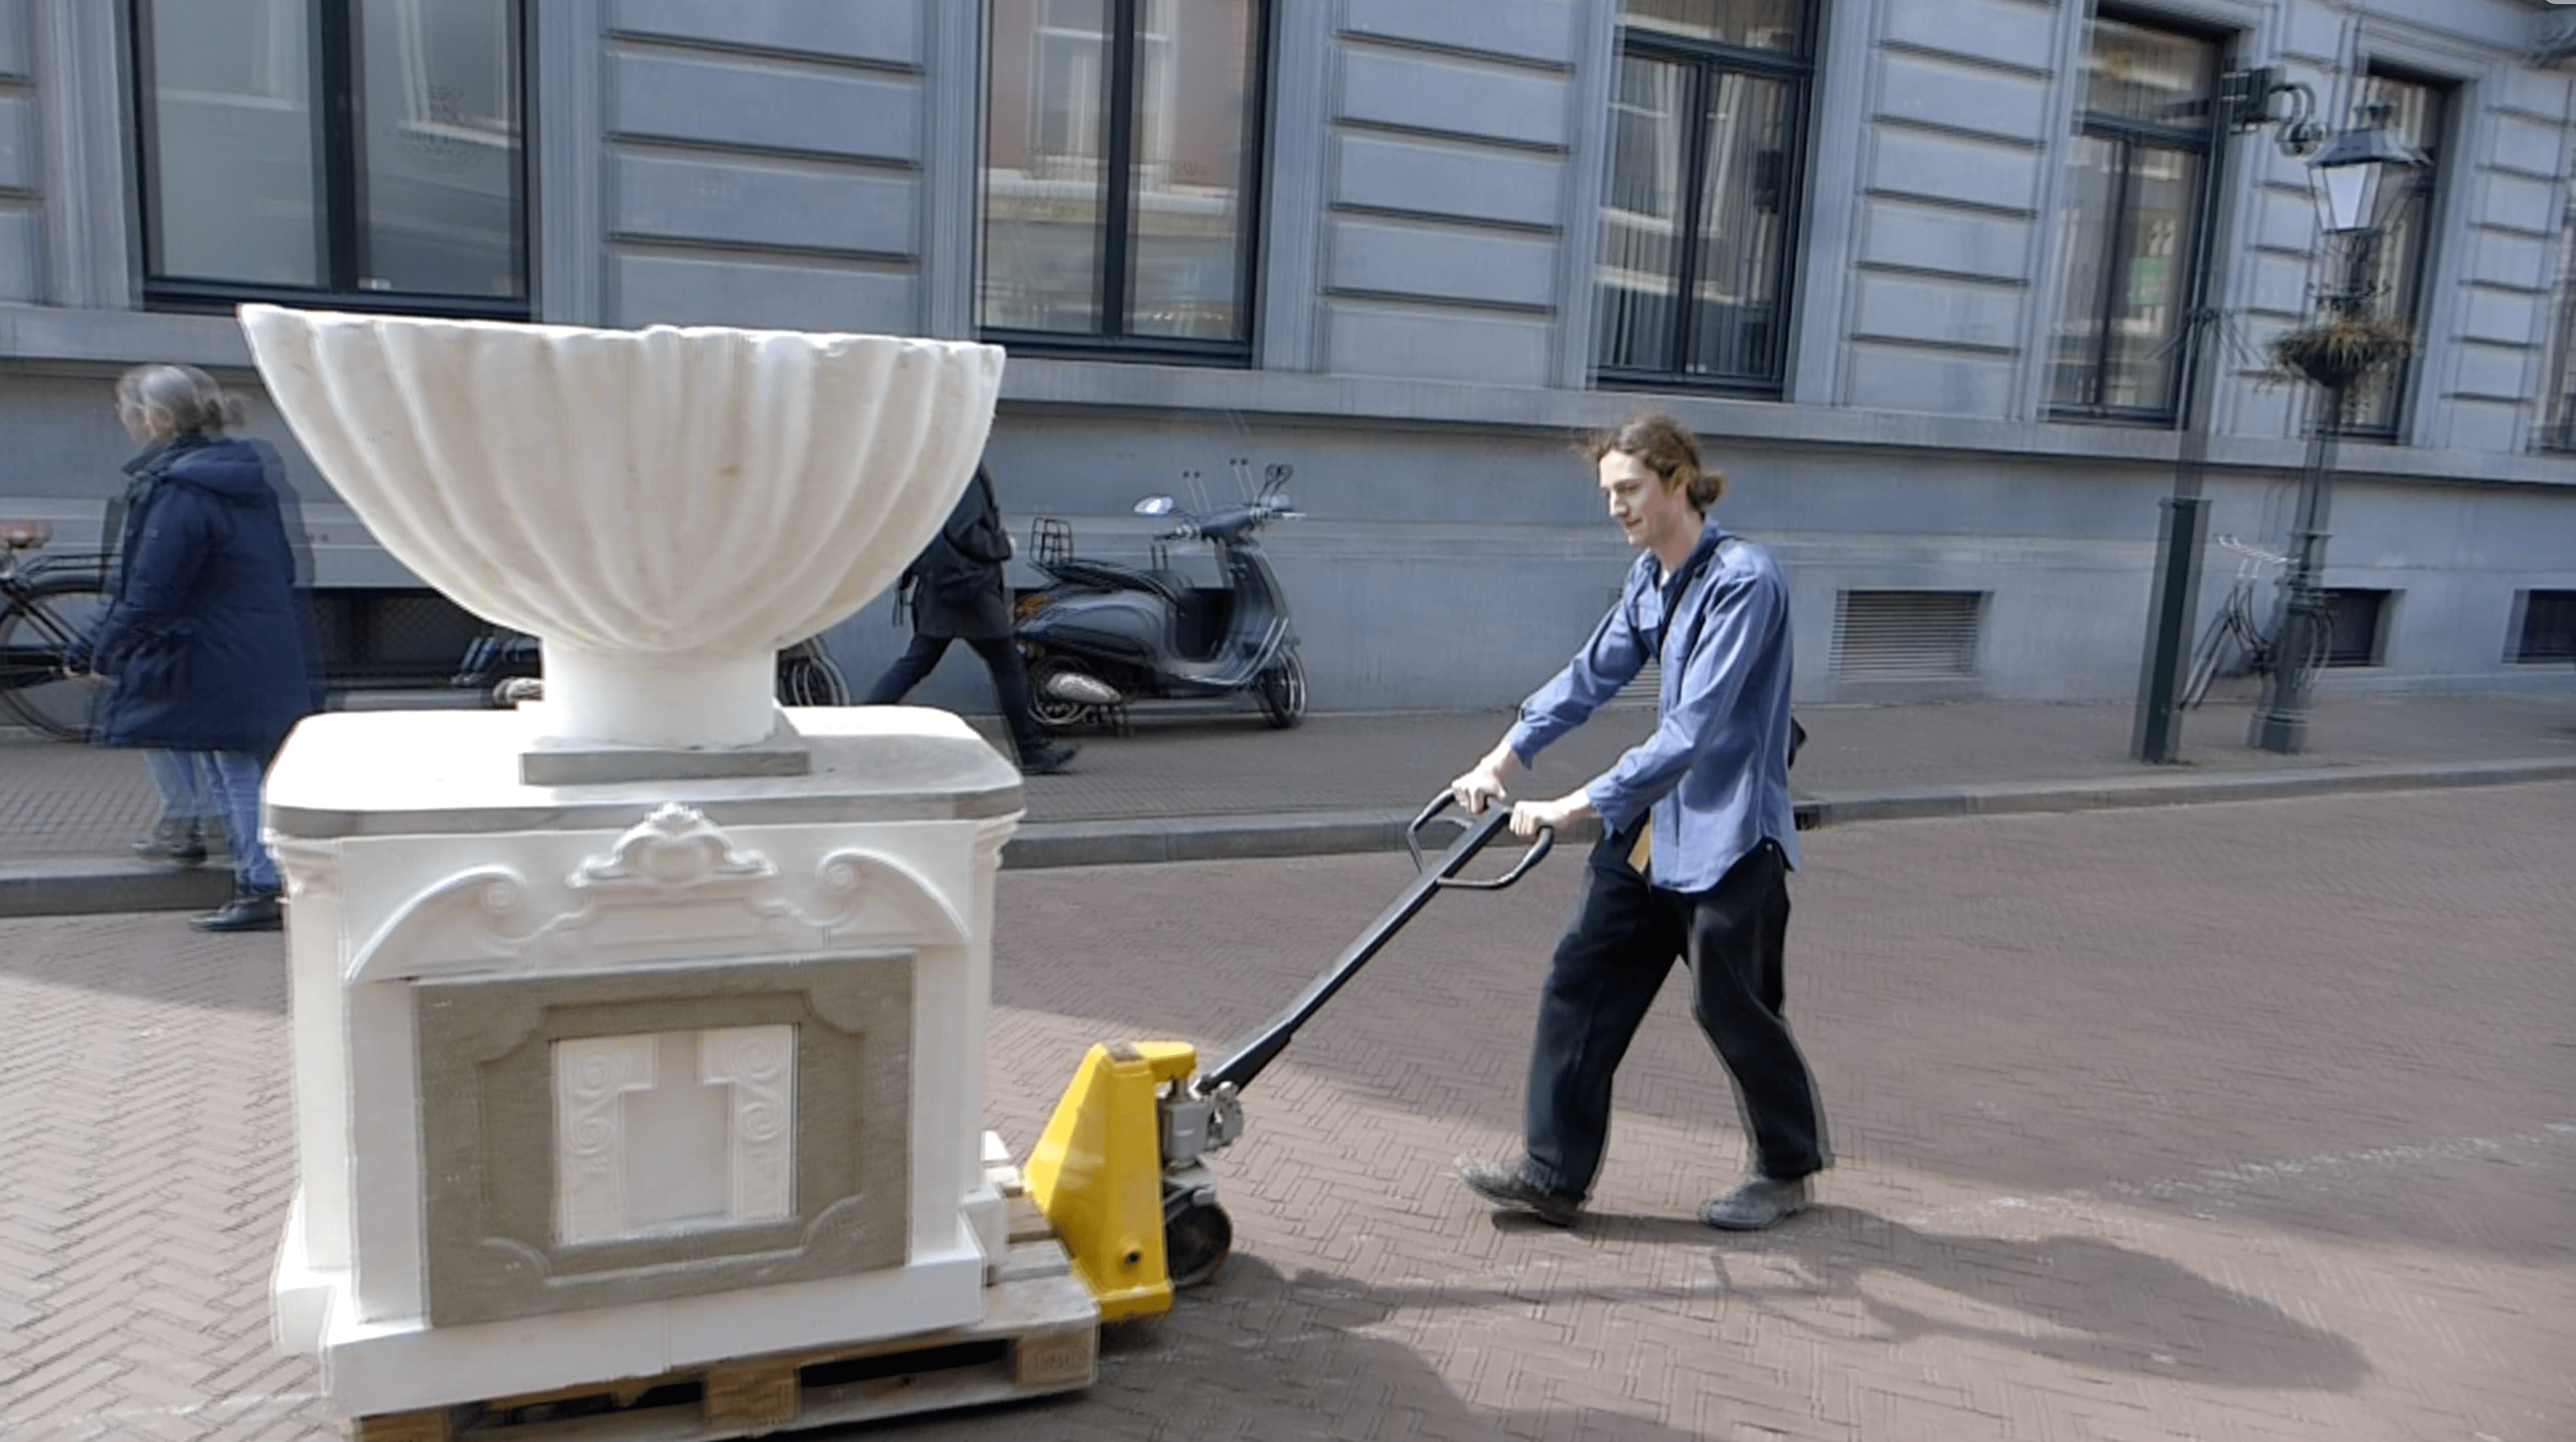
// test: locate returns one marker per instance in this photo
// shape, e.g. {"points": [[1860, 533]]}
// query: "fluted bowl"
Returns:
{"points": [[663, 508]]}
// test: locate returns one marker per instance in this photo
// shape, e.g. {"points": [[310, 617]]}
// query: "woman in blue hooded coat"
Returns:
{"points": [[204, 640]]}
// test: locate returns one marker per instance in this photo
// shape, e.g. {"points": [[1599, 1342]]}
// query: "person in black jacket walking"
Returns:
{"points": [[960, 594], [203, 643]]}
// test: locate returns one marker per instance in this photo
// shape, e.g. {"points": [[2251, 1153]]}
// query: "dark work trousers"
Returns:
{"points": [[1001, 657], [1612, 960]]}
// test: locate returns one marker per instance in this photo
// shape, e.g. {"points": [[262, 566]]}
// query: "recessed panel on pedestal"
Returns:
{"points": [[608, 1138]]}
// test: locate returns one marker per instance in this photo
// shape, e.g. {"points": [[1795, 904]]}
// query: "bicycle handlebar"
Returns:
{"points": [[2269, 558]]}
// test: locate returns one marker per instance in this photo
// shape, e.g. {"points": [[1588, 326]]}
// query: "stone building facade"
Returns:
{"points": [[1918, 270]]}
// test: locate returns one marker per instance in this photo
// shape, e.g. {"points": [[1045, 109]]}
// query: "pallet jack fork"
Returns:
{"points": [[1121, 1169]]}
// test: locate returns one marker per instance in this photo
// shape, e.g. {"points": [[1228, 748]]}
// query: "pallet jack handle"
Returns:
{"points": [[1431, 874]]}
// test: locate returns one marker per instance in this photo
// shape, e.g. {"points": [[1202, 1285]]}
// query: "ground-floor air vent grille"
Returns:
{"points": [[2544, 627], [2357, 626], [1907, 635]]}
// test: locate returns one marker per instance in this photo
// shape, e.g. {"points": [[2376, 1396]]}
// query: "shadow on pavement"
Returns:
{"points": [[1270, 1355], [2072, 1299], [179, 967]]}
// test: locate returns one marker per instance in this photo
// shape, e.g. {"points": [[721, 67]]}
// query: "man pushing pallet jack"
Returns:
{"points": [[1697, 837]]}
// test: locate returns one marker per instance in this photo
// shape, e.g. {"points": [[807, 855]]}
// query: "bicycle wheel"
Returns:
{"points": [[807, 676], [2204, 661], [35, 632]]}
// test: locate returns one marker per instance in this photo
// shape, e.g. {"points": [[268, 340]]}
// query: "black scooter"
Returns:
{"points": [[1101, 635]]}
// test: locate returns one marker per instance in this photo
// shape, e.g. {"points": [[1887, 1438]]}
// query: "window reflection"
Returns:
{"points": [[441, 144], [1110, 213], [232, 142], [2135, 185], [1701, 193], [337, 146], [2392, 264]]}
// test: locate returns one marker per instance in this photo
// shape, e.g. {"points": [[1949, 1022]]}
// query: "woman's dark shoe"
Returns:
{"points": [[174, 840], [247, 911]]}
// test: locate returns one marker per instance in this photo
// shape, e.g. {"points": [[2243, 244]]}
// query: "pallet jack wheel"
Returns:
{"points": [[1196, 1241]]}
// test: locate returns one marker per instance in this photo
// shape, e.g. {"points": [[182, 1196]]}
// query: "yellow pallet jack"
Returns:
{"points": [[1121, 1170]]}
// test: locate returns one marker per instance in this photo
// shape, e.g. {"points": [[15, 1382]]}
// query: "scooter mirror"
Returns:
{"points": [[1154, 506]]}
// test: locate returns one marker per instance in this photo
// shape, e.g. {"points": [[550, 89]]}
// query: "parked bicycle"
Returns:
{"points": [[504, 665], [2235, 644], [47, 603]]}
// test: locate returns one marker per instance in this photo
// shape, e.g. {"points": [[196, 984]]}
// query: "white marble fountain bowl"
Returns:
{"points": [[663, 508]]}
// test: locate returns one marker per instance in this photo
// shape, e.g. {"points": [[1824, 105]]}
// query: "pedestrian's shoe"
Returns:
{"points": [[1048, 758], [174, 839], [248, 911], [1504, 1185], [1756, 1204]]}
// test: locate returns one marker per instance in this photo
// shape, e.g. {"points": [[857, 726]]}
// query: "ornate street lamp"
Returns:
{"points": [[2245, 100], [2361, 177]]}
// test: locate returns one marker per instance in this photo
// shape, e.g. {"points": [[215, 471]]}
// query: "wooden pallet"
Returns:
{"points": [[1040, 1334]]}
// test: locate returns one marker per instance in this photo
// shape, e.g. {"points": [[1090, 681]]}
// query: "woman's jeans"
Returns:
{"points": [[183, 781], [1612, 960], [236, 777]]}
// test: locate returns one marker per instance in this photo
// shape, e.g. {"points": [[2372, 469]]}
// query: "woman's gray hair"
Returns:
{"points": [[187, 395]]}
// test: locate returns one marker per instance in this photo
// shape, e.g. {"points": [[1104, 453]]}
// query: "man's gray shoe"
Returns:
{"points": [[1502, 1184], [1758, 1203]]}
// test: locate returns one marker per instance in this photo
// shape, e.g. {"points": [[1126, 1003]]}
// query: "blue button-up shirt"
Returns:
{"points": [[1715, 773]]}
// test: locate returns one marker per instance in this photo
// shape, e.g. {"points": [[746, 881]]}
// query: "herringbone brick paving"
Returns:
{"points": [[2226, 1122]]}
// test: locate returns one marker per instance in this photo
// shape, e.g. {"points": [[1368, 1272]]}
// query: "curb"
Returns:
{"points": [[82, 885]]}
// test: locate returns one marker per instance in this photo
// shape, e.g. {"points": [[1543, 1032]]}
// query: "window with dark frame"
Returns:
{"points": [[367, 152], [2138, 178], [2543, 629], [2558, 419], [2357, 625], [1699, 222], [2393, 261], [1122, 143]]}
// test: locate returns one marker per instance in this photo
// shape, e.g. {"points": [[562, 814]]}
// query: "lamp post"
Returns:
{"points": [[2360, 180], [2245, 100]]}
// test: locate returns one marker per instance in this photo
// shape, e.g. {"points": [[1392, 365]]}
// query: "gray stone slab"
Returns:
{"points": [[1938, 167], [76, 886], [885, 31], [1448, 263], [2011, 32], [1453, 97], [2527, 146], [1365, 339], [2509, 258], [1934, 311], [2516, 202], [2505, 373], [547, 765], [726, 288], [732, 100], [1924, 237], [2493, 313], [1531, 29], [1975, 98], [1908, 378], [766, 204], [1402, 173]]}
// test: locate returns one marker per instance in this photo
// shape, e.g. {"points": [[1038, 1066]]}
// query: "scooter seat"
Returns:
{"points": [[1110, 576]]}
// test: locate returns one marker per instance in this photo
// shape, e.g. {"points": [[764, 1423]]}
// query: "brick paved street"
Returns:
{"points": [[2220, 1122]]}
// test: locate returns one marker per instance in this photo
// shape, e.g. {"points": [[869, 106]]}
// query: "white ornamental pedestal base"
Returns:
{"points": [[598, 1081]]}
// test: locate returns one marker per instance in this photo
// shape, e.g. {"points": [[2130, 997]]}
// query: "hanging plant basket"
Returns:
{"points": [[2335, 353]]}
